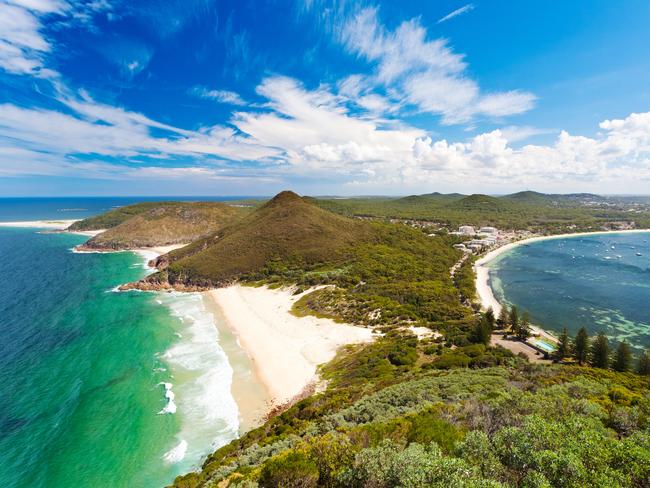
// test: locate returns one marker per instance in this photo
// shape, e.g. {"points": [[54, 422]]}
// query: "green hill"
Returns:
{"points": [[160, 224], [480, 202], [287, 228], [528, 197], [429, 198], [115, 217]]}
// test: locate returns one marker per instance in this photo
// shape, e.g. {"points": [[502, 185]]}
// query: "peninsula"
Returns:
{"points": [[362, 321]]}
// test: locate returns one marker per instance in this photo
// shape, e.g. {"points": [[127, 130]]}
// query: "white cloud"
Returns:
{"points": [[221, 96], [623, 149], [22, 46], [312, 134], [428, 73], [459, 11]]}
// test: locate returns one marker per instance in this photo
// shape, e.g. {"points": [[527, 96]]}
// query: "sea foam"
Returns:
{"points": [[177, 453], [208, 414], [170, 396]]}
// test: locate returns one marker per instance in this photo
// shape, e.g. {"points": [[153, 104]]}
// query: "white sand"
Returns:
{"points": [[483, 288], [285, 350], [41, 224]]}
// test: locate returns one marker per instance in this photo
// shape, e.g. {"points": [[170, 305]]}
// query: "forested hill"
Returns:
{"points": [[524, 210]]}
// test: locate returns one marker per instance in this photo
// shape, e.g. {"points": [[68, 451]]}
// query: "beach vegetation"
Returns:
{"points": [[383, 424]]}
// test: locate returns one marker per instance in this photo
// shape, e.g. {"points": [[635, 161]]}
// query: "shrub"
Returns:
{"points": [[291, 470]]}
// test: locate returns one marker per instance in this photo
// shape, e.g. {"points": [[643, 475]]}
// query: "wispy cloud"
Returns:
{"points": [[460, 11], [428, 73], [221, 96]]}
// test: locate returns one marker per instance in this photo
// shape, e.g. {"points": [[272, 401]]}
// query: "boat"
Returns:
{"points": [[639, 254]]}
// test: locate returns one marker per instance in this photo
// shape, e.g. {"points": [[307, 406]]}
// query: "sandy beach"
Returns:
{"points": [[483, 288], [285, 350], [41, 224]]}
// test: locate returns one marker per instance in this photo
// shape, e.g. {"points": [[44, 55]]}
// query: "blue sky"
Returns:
{"points": [[198, 97]]}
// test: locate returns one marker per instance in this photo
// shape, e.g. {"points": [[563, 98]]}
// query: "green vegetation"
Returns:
{"points": [[378, 274], [146, 225], [115, 217], [447, 410], [392, 416], [525, 210], [285, 235]]}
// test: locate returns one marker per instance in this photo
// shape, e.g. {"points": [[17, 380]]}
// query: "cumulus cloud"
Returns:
{"points": [[429, 73], [622, 149]]}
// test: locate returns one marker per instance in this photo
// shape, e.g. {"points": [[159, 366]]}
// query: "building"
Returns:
{"points": [[466, 230], [488, 230]]}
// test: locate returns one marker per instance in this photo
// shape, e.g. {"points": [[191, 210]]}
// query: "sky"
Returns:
{"points": [[200, 97]]}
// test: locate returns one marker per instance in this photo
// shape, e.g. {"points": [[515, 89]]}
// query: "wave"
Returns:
{"points": [[208, 414], [177, 453], [169, 395]]}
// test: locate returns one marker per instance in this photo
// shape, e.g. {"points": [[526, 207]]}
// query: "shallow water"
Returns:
{"points": [[594, 281], [89, 377]]}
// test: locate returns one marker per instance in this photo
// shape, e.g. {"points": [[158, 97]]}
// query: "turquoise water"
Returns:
{"points": [[84, 371], [596, 281]]}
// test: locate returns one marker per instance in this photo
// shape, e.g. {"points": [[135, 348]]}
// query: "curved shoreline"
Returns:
{"points": [[482, 282]]}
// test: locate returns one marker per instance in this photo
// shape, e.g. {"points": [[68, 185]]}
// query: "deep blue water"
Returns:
{"points": [[64, 208], [595, 281]]}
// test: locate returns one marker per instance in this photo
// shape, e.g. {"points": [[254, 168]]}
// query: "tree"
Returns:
{"points": [[644, 363], [489, 316], [523, 331], [483, 331], [563, 345], [581, 346], [600, 352], [623, 357], [503, 316], [513, 318]]}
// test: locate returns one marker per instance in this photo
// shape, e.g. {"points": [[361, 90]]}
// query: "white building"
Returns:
{"points": [[466, 230], [488, 230]]}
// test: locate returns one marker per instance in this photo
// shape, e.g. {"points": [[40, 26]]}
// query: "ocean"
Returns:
{"points": [[601, 282], [97, 387]]}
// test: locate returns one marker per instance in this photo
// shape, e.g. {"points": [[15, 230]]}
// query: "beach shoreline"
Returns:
{"points": [[285, 350], [482, 283]]}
